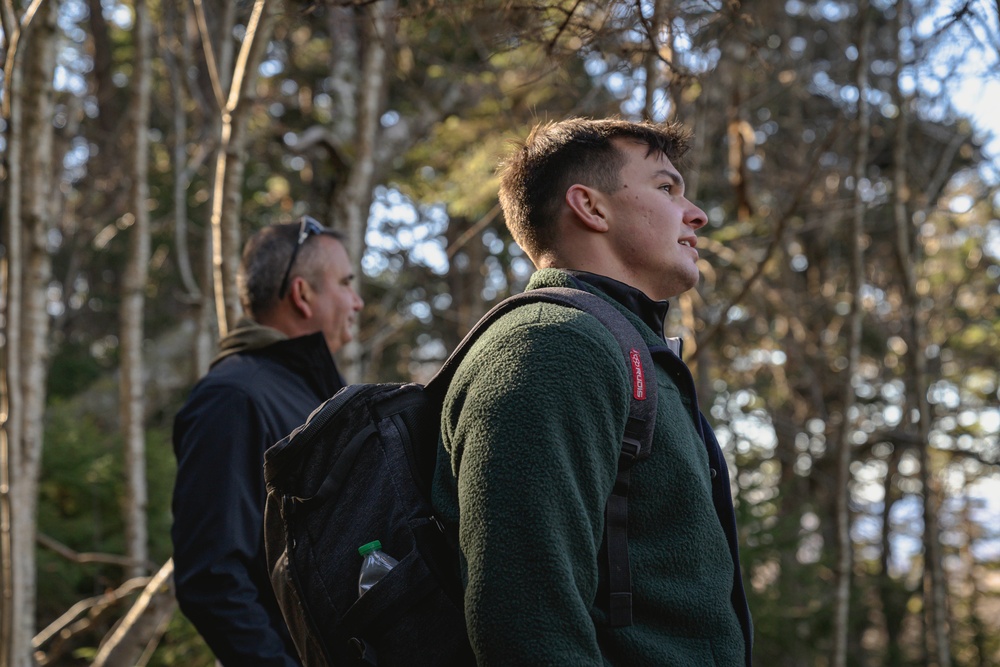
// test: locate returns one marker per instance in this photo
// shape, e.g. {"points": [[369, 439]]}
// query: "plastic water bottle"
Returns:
{"points": [[375, 565]]}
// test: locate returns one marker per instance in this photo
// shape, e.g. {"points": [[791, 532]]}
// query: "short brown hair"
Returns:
{"points": [[556, 155]]}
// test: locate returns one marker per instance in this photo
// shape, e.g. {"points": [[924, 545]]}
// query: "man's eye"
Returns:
{"points": [[667, 187]]}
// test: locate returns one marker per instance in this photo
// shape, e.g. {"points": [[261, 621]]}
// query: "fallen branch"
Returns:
{"points": [[65, 628], [137, 633]]}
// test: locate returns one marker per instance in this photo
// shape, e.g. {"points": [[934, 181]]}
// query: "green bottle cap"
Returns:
{"points": [[366, 549]]}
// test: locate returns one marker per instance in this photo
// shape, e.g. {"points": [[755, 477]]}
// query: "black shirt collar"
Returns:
{"points": [[653, 313], [309, 357]]}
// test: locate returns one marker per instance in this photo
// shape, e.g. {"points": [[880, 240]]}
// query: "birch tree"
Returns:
{"points": [[30, 63], [132, 404], [351, 206], [233, 105], [177, 55], [10, 363], [856, 230]]}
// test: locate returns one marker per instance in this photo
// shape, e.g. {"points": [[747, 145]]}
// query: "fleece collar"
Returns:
{"points": [[652, 313]]}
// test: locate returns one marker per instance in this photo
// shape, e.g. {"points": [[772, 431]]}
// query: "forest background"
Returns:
{"points": [[845, 335]]}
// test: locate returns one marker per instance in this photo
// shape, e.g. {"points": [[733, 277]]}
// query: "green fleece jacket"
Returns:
{"points": [[531, 432]]}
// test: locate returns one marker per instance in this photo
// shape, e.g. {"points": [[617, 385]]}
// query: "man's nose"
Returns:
{"points": [[694, 217]]}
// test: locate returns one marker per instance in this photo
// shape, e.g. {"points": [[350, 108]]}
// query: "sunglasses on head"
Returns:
{"points": [[309, 226]]}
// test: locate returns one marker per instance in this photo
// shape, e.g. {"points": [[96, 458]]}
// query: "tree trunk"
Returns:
{"points": [[176, 60], [351, 207], [893, 609], [739, 134], [30, 170], [842, 592], [177, 57], [134, 302], [651, 62], [11, 266], [342, 24], [974, 624], [935, 596], [226, 198], [466, 257]]}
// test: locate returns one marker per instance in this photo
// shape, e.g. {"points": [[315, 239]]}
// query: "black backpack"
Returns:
{"points": [[360, 469]]}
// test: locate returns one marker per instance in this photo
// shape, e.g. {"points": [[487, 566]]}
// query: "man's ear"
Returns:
{"points": [[301, 296], [588, 206]]}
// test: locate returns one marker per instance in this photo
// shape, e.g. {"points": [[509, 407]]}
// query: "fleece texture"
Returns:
{"points": [[531, 432]]}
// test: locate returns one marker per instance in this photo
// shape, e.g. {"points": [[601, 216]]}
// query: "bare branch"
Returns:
{"points": [[142, 624], [226, 135], [472, 231], [562, 28], [779, 231], [206, 45], [89, 557], [95, 605], [236, 87], [15, 37]]}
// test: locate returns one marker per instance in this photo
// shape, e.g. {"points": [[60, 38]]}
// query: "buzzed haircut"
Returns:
{"points": [[556, 155], [265, 260]]}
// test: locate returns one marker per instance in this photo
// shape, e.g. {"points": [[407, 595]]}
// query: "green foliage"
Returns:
{"points": [[182, 646], [78, 506], [80, 502], [73, 368]]}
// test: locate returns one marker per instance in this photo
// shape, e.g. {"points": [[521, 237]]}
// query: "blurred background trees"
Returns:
{"points": [[845, 335]]}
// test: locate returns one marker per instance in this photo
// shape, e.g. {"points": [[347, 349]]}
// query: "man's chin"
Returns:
{"points": [[676, 288]]}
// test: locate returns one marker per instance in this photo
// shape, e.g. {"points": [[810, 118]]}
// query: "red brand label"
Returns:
{"points": [[638, 381]]}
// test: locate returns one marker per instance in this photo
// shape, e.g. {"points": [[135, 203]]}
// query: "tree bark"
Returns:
{"points": [[107, 93], [892, 611], [844, 550], [342, 24], [652, 60], [134, 301], [226, 198], [176, 60], [31, 64], [177, 57], [11, 267], [935, 594], [351, 207]]}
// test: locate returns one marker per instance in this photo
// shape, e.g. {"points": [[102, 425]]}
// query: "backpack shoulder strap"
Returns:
{"points": [[638, 437], [642, 408]]}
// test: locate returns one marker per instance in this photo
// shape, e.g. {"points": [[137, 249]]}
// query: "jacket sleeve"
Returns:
{"points": [[219, 439], [533, 426]]}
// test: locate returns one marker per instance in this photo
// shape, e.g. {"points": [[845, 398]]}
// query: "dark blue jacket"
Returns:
{"points": [[249, 400]]}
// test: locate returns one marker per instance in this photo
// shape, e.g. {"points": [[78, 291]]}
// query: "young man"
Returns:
{"points": [[533, 421], [276, 366]]}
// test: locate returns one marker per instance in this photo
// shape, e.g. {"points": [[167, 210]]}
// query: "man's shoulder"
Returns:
{"points": [[539, 339], [247, 373], [546, 321], [237, 367]]}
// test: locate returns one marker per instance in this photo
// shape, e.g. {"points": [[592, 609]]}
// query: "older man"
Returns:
{"points": [[273, 369]]}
